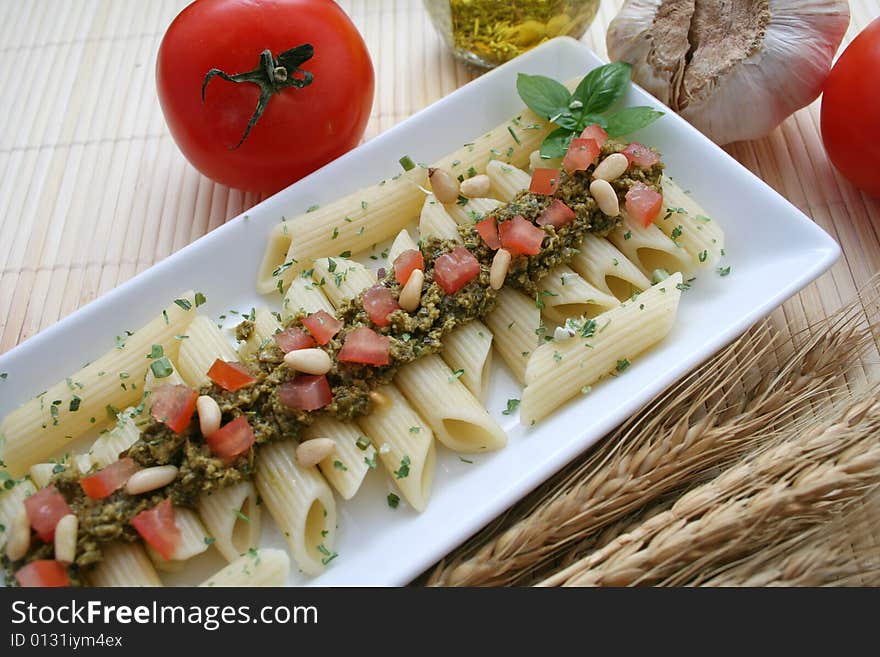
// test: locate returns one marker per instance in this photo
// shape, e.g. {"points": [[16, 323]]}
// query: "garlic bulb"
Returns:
{"points": [[733, 68]]}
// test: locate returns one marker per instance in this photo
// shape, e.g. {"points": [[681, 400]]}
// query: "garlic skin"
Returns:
{"points": [[735, 69]]}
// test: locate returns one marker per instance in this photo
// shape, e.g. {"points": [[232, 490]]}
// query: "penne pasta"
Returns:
{"points": [[351, 224], [469, 349], [346, 468], [516, 327], [563, 293], [457, 418], [403, 242], [341, 279], [41, 473], [11, 500], [686, 223], [435, 221], [107, 448], [301, 503], [507, 180], [304, 296], [558, 371], [606, 268], [232, 518], [401, 436], [194, 539], [206, 343], [649, 248], [264, 567], [265, 327], [269, 277], [69, 409], [472, 211], [124, 564]]}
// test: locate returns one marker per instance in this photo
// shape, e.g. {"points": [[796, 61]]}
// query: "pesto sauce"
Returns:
{"points": [[412, 336]]}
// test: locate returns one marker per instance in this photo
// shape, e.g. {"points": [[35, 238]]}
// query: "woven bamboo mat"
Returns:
{"points": [[93, 189]]}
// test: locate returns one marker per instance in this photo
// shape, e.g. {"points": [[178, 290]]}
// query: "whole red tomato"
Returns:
{"points": [[851, 111], [302, 61]]}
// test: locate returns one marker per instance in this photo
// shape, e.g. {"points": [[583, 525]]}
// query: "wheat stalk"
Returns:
{"points": [[777, 491], [701, 424]]}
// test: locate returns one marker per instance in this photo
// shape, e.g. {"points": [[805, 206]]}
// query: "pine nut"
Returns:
{"points": [[411, 295], [209, 415], [19, 535], [143, 481], [605, 197], [65, 538], [308, 361], [312, 452], [444, 185], [612, 167], [500, 266], [379, 398], [476, 187]]}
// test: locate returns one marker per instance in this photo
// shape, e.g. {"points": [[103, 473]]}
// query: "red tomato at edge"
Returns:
{"points": [[850, 116], [301, 129]]}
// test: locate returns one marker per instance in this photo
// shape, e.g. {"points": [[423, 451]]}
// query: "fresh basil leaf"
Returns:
{"points": [[544, 96], [631, 119], [602, 86], [589, 119], [556, 143], [567, 120]]}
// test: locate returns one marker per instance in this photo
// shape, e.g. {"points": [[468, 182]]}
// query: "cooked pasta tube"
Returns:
{"points": [[472, 211], [649, 248], [686, 222], [69, 409], [271, 267], [232, 518], [265, 327], [563, 293], [559, 370], [403, 242], [353, 223], [403, 439], [348, 464], [41, 473], [263, 567], [341, 279], [194, 539], [457, 418], [206, 343], [124, 564], [304, 295], [468, 349], [435, 221], [11, 500], [507, 180], [516, 328], [301, 503], [605, 267], [107, 448]]}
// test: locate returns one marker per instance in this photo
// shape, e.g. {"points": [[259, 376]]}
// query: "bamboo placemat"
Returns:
{"points": [[93, 189]]}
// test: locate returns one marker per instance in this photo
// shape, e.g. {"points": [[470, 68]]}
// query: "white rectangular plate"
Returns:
{"points": [[772, 248]]}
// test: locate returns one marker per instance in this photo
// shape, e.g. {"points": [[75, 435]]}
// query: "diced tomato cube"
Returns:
{"points": [[488, 230], [231, 440], [174, 405], [640, 155], [43, 573], [292, 339], [230, 376], [365, 346], [580, 155], [454, 270], [379, 302], [521, 237], [323, 326], [643, 203], [109, 480], [406, 263], [307, 392], [544, 181], [45, 508], [557, 214], [158, 528], [596, 133]]}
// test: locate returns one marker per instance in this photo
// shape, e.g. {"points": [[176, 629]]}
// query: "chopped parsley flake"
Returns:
{"points": [[622, 364], [512, 405], [339, 465], [393, 500], [723, 271], [403, 471], [457, 374], [328, 555], [184, 303], [312, 208], [362, 442]]}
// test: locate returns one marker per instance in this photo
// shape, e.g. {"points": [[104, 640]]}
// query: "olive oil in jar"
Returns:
{"points": [[490, 32]]}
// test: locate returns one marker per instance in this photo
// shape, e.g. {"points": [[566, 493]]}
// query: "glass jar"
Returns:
{"points": [[490, 32]]}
